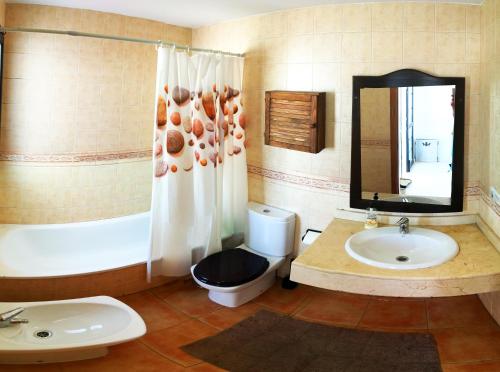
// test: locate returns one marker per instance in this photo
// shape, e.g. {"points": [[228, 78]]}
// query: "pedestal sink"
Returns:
{"points": [[387, 248], [61, 331]]}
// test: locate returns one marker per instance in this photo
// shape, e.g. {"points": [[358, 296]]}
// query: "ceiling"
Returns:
{"points": [[196, 13]]}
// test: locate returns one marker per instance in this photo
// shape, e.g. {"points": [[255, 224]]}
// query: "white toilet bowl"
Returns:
{"points": [[238, 295], [236, 276]]}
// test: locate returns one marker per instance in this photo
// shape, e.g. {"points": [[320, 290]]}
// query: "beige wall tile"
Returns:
{"points": [[2, 12], [275, 76], [450, 47], [387, 17], [473, 48], [81, 96], [357, 47], [326, 77], [328, 18], [418, 47], [419, 17], [356, 18], [273, 25], [299, 76], [275, 50], [387, 46], [450, 18], [300, 49], [327, 47], [473, 19], [301, 21]]}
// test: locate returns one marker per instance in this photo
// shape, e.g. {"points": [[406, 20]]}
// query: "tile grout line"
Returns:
{"points": [[164, 356], [302, 305], [197, 317]]}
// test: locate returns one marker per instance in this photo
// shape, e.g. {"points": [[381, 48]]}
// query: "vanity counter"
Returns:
{"points": [[326, 264]]}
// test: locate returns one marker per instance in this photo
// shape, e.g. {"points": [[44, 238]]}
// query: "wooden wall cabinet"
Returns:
{"points": [[295, 120]]}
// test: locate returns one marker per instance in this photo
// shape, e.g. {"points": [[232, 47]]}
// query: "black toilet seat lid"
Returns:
{"points": [[230, 268]]}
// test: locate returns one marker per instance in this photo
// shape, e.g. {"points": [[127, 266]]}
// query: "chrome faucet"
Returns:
{"points": [[9, 317], [404, 225]]}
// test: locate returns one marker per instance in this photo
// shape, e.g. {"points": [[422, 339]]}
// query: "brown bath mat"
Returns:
{"points": [[272, 342]]}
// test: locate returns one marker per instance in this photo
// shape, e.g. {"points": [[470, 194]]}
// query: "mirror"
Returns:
{"points": [[407, 143]]}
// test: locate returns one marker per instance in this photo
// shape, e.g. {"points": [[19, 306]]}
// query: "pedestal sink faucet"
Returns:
{"points": [[404, 225], [9, 317]]}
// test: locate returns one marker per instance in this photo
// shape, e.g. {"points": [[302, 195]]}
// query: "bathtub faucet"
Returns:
{"points": [[9, 317], [404, 225]]}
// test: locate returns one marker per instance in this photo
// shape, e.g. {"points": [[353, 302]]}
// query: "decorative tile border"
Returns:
{"points": [[375, 143], [341, 185], [472, 190], [75, 158], [490, 203]]}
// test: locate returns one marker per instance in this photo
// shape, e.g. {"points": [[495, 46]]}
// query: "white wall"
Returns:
{"points": [[433, 117]]}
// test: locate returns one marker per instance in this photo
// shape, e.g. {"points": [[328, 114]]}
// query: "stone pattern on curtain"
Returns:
{"points": [[199, 159]]}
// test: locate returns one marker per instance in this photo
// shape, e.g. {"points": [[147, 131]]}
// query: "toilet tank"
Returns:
{"points": [[270, 230]]}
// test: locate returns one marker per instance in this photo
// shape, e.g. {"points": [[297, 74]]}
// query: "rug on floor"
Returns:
{"points": [[271, 342]]}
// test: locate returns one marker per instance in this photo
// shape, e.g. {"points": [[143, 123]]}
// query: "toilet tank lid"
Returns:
{"points": [[272, 212]]}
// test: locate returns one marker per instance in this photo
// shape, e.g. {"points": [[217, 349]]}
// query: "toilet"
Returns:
{"points": [[236, 276]]}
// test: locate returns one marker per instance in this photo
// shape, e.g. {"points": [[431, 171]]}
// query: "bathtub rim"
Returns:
{"points": [[14, 227]]}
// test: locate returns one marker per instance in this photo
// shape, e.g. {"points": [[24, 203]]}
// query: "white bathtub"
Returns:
{"points": [[35, 251]]}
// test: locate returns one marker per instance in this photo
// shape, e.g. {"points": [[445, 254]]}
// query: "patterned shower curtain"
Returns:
{"points": [[199, 159]]}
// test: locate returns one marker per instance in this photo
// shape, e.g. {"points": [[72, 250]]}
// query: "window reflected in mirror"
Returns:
{"points": [[407, 143]]}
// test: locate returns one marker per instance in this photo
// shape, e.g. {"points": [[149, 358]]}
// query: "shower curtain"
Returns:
{"points": [[199, 159]]}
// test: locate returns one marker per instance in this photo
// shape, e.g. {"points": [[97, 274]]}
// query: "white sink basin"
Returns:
{"points": [[387, 248], [67, 330]]}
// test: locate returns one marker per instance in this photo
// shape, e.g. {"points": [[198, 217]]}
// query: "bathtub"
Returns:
{"points": [[59, 250]]}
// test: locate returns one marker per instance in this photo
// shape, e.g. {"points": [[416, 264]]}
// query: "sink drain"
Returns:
{"points": [[42, 334], [402, 258]]}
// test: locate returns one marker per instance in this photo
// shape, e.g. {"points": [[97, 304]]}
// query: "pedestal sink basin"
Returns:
{"points": [[387, 248], [61, 331]]}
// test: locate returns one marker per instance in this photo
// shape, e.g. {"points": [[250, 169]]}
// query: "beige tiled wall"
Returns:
{"points": [[375, 141], [490, 101], [49, 193], [490, 124], [76, 96], [2, 12], [320, 48]]}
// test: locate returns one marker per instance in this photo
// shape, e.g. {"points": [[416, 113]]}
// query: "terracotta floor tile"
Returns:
{"points": [[131, 356], [395, 313], [168, 341], [467, 338], [461, 311], [460, 345], [227, 317], [284, 300], [335, 308], [165, 289], [156, 313], [205, 367], [190, 299], [481, 367]]}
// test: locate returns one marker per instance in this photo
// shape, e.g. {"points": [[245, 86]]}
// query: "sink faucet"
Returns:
{"points": [[404, 225], [9, 317]]}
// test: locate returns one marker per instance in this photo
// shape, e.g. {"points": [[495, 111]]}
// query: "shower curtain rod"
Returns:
{"points": [[120, 38]]}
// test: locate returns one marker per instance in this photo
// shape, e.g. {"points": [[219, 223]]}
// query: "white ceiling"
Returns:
{"points": [[196, 13]]}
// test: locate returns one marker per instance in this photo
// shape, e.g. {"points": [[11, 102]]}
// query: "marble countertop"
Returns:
{"points": [[326, 264]]}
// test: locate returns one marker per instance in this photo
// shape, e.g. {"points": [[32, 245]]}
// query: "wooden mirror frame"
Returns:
{"points": [[408, 78]]}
